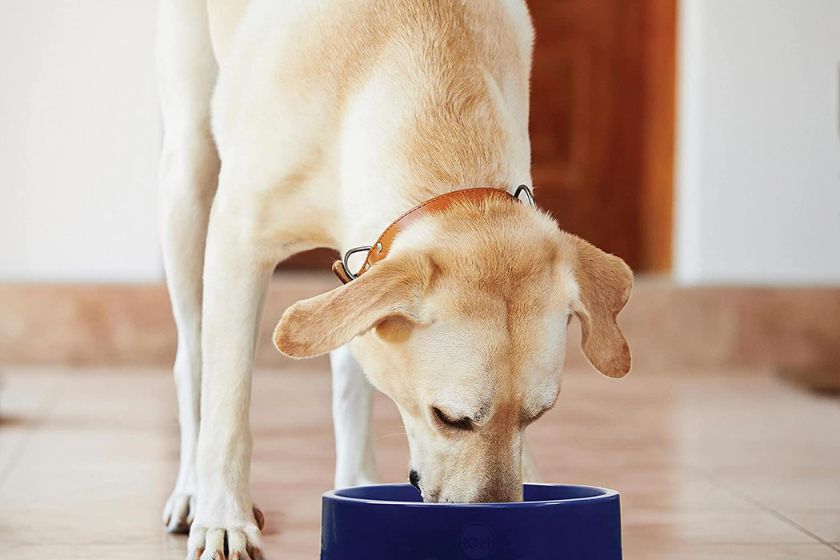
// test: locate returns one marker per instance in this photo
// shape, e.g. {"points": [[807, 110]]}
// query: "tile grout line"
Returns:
{"points": [[782, 517], [775, 513], [43, 411]]}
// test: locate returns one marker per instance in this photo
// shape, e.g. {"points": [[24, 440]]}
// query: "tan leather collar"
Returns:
{"points": [[382, 247]]}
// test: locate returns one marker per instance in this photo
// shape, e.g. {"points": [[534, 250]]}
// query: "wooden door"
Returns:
{"points": [[602, 124]]}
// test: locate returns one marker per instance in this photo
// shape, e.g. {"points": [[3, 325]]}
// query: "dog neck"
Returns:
{"points": [[439, 204]]}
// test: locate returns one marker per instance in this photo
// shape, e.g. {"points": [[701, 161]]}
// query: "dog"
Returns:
{"points": [[295, 124]]}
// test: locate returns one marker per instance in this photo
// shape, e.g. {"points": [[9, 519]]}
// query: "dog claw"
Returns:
{"points": [[232, 540], [260, 518], [178, 512]]}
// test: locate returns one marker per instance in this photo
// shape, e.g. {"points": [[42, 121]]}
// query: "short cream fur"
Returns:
{"points": [[295, 124]]}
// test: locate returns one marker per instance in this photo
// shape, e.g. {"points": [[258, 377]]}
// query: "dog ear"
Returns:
{"points": [[604, 283], [315, 326]]}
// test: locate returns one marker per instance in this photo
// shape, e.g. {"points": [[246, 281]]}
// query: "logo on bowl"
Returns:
{"points": [[477, 542]]}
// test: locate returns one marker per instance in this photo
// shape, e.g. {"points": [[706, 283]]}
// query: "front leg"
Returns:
{"points": [[351, 407], [235, 281]]}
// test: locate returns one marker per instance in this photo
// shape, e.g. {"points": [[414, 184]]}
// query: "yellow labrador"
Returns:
{"points": [[303, 123]]}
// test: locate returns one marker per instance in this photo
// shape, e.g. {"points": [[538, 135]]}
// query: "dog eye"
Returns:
{"points": [[463, 424]]}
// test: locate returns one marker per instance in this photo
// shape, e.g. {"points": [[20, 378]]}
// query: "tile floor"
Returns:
{"points": [[710, 466]]}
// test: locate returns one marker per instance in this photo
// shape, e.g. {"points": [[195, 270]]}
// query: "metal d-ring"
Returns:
{"points": [[345, 261], [528, 194]]}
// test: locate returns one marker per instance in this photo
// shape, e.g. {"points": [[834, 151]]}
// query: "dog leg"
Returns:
{"points": [[236, 275], [189, 167], [355, 463]]}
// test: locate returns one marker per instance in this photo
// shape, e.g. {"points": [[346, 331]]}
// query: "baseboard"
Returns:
{"points": [[669, 327]]}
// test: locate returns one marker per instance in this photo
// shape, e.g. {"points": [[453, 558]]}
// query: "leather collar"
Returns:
{"points": [[380, 249]]}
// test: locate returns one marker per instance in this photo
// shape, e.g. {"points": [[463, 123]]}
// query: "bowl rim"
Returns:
{"points": [[604, 494]]}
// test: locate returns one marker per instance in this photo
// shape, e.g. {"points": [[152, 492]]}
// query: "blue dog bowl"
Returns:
{"points": [[390, 522]]}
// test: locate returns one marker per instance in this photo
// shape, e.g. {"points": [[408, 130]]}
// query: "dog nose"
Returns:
{"points": [[414, 479]]}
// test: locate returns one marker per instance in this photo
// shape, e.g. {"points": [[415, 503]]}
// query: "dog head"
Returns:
{"points": [[463, 326]]}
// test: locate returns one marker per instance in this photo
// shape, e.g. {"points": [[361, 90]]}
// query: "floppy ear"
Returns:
{"points": [[315, 326], [604, 284]]}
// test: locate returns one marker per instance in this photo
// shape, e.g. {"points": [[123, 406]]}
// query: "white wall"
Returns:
{"points": [[79, 136], [758, 170], [758, 180]]}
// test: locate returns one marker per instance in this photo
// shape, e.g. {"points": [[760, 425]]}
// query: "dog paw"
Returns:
{"points": [[226, 537], [178, 511]]}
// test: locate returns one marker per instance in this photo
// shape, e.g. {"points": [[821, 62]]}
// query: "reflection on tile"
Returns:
{"points": [[24, 400], [707, 526], [700, 462]]}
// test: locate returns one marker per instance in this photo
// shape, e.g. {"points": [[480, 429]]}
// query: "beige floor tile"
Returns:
{"points": [[24, 401], [713, 527], [675, 551], [90, 552], [823, 523], [785, 490], [100, 459]]}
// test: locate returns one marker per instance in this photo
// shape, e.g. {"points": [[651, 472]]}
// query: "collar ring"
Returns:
{"points": [[345, 260], [529, 196]]}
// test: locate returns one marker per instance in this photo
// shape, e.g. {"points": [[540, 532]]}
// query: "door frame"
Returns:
{"points": [[658, 152]]}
